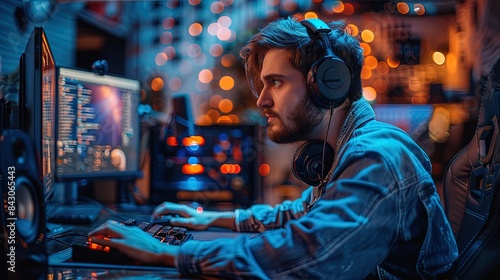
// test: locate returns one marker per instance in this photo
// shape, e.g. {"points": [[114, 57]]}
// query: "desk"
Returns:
{"points": [[61, 266]]}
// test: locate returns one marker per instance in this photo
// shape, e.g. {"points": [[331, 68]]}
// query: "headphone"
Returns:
{"points": [[307, 162], [329, 78]]}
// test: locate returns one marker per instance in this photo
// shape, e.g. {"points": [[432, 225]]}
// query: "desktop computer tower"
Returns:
{"points": [[220, 170]]}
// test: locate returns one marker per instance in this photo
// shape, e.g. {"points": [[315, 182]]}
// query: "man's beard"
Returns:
{"points": [[303, 123]]}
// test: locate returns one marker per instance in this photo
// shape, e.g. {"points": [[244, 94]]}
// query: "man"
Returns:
{"points": [[372, 209]]}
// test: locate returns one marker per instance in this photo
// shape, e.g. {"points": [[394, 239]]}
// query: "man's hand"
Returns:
{"points": [[191, 218], [135, 243]]}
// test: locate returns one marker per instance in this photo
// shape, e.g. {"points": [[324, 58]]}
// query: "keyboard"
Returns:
{"points": [[166, 234]]}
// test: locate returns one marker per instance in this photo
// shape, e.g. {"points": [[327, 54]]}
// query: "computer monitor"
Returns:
{"points": [[34, 117], [98, 131], [37, 99], [97, 136], [218, 165]]}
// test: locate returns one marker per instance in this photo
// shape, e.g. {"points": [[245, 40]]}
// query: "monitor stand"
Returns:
{"points": [[71, 210]]}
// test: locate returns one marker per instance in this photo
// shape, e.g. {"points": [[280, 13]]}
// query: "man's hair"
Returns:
{"points": [[302, 51]]}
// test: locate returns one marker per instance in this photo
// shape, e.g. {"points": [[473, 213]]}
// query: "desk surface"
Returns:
{"points": [[59, 251]]}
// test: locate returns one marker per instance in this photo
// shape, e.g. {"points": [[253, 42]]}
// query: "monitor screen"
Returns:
{"points": [[98, 130], [37, 102], [217, 164]]}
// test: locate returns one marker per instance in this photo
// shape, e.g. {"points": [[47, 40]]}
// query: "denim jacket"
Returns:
{"points": [[379, 215]]}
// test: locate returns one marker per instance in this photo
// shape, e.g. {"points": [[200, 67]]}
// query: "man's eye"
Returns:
{"points": [[276, 83]]}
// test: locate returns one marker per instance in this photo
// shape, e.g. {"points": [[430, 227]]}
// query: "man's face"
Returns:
{"points": [[291, 114]]}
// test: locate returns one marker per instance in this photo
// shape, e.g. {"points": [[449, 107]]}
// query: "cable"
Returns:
{"points": [[324, 145]]}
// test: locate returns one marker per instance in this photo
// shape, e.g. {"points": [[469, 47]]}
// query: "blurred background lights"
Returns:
{"points": [[224, 21], [353, 29], [382, 68], [228, 60], [393, 61], [371, 62], [216, 50], [161, 59], [310, 15], [337, 7], [205, 76], [419, 9], [157, 84], [369, 93], [168, 23], [264, 169], [195, 29], [226, 83], [403, 8], [175, 84], [217, 7], [213, 28], [366, 48], [214, 101], [224, 33], [348, 9], [226, 105], [367, 35], [438, 58]]}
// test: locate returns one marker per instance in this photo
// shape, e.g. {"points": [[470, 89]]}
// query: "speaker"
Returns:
{"points": [[329, 78], [23, 216], [307, 162]]}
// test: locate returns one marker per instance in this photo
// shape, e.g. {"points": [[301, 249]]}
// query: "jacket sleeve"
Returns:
{"points": [[261, 217], [324, 244]]}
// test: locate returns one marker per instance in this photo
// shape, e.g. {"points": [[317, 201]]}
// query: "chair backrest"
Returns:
{"points": [[471, 187]]}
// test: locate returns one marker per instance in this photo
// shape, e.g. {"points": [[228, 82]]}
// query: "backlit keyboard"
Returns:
{"points": [[95, 253]]}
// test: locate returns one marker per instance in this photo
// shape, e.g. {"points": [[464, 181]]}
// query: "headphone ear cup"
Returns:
{"points": [[307, 163], [329, 81]]}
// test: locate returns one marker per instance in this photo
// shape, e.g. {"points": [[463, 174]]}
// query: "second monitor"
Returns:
{"points": [[98, 133], [97, 137]]}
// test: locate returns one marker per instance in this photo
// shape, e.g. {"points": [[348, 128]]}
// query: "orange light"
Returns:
{"points": [[366, 73], [226, 82], [193, 141], [224, 169], [224, 120], [192, 169], [369, 93], [228, 60], [310, 15], [403, 8], [226, 105], [366, 48], [157, 84], [172, 141], [264, 169], [348, 9], [352, 29], [371, 62], [393, 62], [367, 35], [230, 168], [337, 7], [195, 29]]}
